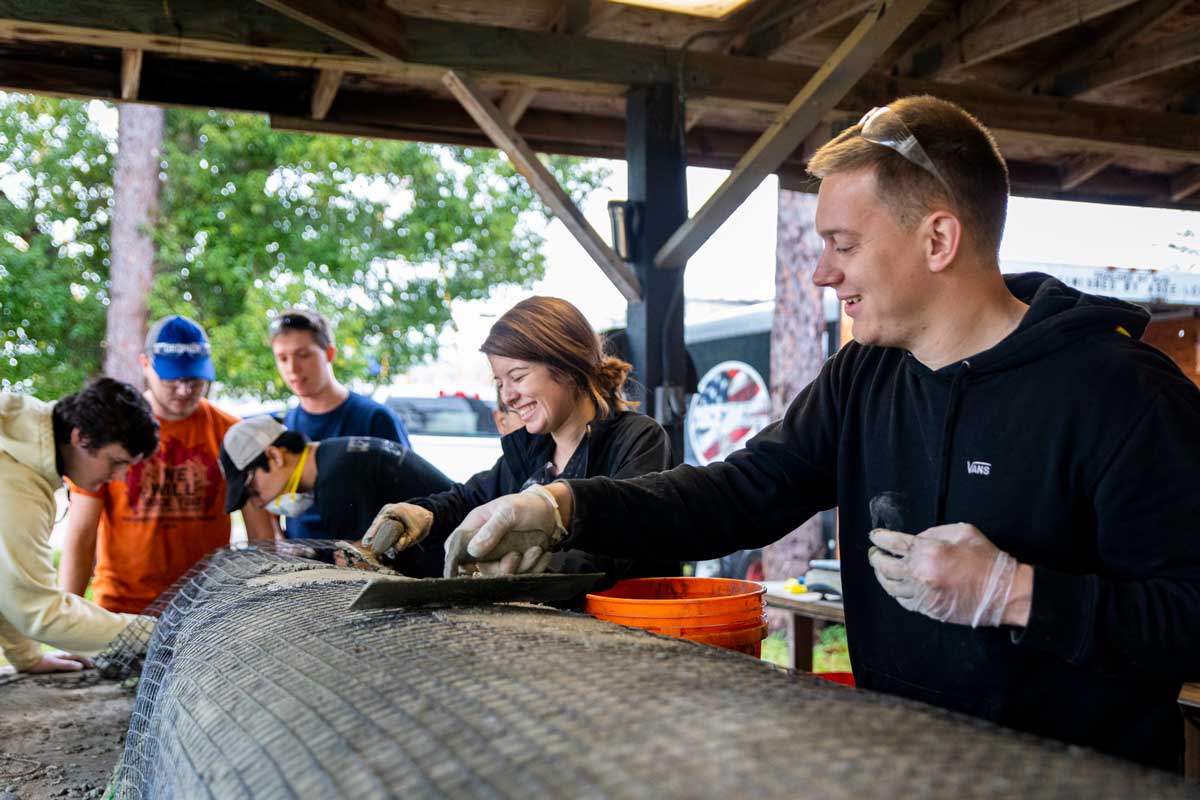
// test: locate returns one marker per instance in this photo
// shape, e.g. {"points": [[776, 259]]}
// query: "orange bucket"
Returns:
{"points": [[717, 611]]}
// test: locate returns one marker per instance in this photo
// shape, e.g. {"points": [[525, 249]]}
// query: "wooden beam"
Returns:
{"points": [[853, 57], [804, 19], [325, 88], [931, 52], [1176, 50], [361, 114], [543, 182], [1185, 184], [584, 17], [1084, 169], [514, 104], [508, 58], [131, 73], [367, 25], [1028, 179], [757, 16], [1058, 78], [576, 17], [1019, 27]]}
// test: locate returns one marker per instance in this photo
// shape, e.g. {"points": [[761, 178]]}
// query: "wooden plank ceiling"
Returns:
{"points": [[1090, 99]]}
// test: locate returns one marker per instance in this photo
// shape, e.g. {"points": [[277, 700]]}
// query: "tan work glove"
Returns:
{"points": [[397, 527], [510, 535], [952, 573]]}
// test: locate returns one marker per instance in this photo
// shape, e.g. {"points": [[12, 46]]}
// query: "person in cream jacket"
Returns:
{"points": [[92, 437]]}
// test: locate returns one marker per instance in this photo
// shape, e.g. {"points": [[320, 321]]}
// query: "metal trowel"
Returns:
{"points": [[473, 591]]}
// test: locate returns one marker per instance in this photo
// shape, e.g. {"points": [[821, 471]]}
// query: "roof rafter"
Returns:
{"points": [[1185, 184], [506, 138], [853, 57], [515, 58], [1058, 78], [575, 17], [368, 25], [800, 19], [1083, 169], [927, 55], [1166, 54], [1011, 31]]}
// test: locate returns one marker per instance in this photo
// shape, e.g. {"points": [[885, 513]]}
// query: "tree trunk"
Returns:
{"points": [[135, 211], [797, 352]]}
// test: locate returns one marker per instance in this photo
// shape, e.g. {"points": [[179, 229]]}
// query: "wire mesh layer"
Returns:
{"points": [[258, 684]]}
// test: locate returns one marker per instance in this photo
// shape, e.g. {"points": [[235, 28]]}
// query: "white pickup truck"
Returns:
{"points": [[455, 433]]}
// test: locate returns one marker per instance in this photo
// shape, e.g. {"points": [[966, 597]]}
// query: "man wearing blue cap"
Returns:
{"points": [[145, 531]]}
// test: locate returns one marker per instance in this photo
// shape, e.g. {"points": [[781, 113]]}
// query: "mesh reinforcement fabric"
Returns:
{"points": [[259, 684]]}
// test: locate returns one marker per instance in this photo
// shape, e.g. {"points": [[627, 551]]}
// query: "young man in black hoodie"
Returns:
{"points": [[1031, 458]]}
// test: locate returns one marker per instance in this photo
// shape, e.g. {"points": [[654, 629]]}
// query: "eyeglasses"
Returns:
{"points": [[882, 125]]}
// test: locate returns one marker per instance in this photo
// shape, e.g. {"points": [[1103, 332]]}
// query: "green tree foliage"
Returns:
{"points": [[55, 198], [379, 236]]}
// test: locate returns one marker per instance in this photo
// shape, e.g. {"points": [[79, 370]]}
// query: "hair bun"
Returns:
{"points": [[611, 373]]}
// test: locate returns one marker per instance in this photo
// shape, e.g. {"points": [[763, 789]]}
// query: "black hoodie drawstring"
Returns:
{"points": [[948, 439]]}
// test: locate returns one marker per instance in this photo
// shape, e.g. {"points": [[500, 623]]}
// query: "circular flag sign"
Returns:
{"points": [[731, 405]]}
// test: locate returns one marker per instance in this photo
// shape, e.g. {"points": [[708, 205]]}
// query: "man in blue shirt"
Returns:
{"points": [[302, 341]]}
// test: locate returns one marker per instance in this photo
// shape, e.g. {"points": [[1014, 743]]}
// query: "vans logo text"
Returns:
{"points": [[979, 468]]}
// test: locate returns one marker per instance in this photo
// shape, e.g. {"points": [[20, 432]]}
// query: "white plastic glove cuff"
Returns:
{"points": [[996, 591], [560, 532]]}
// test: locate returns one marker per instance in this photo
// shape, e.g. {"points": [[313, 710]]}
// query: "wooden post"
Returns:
{"points": [[654, 151], [131, 73], [325, 88]]}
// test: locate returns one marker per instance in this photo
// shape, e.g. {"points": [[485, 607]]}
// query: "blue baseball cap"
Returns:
{"points": [[178, 349]]}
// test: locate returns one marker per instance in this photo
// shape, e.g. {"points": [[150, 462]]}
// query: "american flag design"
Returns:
{"points": [[732, 405]]}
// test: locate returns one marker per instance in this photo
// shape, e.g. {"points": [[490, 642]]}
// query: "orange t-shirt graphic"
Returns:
{"points": [[165, 515]]}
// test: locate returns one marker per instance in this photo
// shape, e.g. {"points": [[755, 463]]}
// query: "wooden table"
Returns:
{"points": [[802, 611]]}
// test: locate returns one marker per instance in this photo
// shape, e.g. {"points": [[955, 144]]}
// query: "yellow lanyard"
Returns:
{"points": [[294, 482]]}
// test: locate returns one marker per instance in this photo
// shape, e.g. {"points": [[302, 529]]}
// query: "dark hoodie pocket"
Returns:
{"points": [[984, 704]]}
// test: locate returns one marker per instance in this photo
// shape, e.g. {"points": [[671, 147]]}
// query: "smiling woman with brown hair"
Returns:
{"points": [[551, 370]]}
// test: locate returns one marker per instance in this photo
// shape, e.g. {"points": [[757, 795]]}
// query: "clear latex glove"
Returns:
{"points": [[952, 573], [60, 661], [510, 535], [397, 527]]}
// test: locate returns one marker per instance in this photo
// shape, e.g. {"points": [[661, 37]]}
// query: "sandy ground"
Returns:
{"points": [[60, 735]]}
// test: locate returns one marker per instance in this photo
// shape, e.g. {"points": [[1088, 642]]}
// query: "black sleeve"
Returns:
{"points": [[397, 479], [1141, 616], [784, 475]]}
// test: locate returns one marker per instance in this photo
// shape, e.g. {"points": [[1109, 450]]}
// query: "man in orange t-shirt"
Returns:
{"points": [[142, 533]]}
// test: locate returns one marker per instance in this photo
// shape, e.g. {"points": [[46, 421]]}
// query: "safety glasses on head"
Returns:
{"points": [[883, 126]]}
